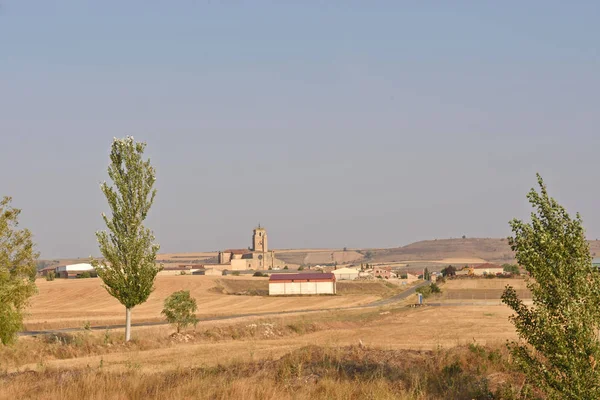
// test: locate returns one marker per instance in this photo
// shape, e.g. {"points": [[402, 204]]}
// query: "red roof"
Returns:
{"points": [[487, 266], [236, 251], [302, 277]]}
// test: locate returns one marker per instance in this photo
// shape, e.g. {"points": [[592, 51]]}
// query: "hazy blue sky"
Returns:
{"points": [[333, 123]]}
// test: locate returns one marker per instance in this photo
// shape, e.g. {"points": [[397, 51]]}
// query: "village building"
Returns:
{"points": [[345, 274], [74, 270], [487, 269], [384, 272], [302, 284], [257, 257]]}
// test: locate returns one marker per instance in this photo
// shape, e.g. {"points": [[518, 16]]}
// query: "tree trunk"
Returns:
{"points": [[127, 324]]}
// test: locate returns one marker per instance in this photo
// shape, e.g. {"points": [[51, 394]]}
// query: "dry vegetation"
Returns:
{"points": [[468, 372], [394, 352]]}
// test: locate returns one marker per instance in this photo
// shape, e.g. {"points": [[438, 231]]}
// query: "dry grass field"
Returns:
{"points": [[390, 352], [71, 303]]}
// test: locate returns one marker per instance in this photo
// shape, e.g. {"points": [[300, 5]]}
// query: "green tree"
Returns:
{"points": [[180, 308], [426, 274], [449, 271], [511, 269], [128, 269], [17, 271], [561, 356], [51, 275]]}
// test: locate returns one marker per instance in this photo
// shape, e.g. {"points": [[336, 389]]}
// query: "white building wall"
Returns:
{"points": [[296, 288]]}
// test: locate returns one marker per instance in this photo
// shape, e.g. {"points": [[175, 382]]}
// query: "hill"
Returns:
{"points": [[438, 251]]}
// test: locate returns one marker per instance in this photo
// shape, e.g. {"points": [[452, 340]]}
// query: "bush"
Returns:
{"points": [[428, 290], [259, 274], [182, 272], [301, 268], [84, 275], [51, 275], [235, 273], [286, 267], [179, 309]]}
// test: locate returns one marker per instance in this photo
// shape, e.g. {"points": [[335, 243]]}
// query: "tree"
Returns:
{"points": [[511, 269], [17, 271], [51, 275], [180, 308], [426, 274], [128, 269], [562, 354], [449, 271]]}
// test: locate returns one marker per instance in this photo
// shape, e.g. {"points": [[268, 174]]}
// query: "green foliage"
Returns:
{"points": [[369, 255], [511, 269], [51, 276], [301, 268], [128, 269], [182, 272], [449, 271], [259, 274], [17, 271], [286, 267], [235, 273], [426, 275], [179, 309], [428, 290], [562, 350], [84, 275]]}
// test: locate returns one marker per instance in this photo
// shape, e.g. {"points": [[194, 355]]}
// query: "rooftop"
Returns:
{"points": [[302, 277]]}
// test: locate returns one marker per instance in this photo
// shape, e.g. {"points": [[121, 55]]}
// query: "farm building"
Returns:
{"points": [[208, 272], [74, 270], [291, 284], [487, 269], [384, 272], [345, 274]]}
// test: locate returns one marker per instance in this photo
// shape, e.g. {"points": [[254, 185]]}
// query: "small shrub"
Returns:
{"points": [[435, 288], [182, 272], [51, 276], [301, 268], [286, 267], [235, 273], [84, 275], [180, 308], [259, 274]]}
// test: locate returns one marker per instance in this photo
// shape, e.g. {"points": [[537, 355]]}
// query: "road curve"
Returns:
{"points": [[378, 303]]}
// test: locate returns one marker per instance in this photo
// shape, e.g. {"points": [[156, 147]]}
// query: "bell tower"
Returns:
{"points": [[259, 240]]}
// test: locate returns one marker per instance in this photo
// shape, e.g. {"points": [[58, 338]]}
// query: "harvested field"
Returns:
{"points": [[482, 288], [71, 303]]}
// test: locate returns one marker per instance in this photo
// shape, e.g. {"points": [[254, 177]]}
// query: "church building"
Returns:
{"points": [[257, 257]]}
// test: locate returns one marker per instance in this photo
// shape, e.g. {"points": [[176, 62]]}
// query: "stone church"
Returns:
{"points": [[257, 257]]}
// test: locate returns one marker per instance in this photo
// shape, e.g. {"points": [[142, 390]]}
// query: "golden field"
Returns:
{"points": [[71, 303], [391, 352]]}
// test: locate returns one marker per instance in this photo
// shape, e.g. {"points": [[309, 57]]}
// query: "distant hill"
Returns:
{"points": [[439, 251]]}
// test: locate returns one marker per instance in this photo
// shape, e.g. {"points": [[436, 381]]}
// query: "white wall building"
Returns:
{"points": [[345, 274], [74, 270], [302, 284]]}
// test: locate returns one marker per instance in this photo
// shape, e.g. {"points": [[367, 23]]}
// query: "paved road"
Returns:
{"points": [[379, 303]]}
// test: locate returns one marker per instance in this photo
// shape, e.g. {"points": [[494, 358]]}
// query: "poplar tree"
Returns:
{"points": [[129, 266], [17, 271], [559, 350]]}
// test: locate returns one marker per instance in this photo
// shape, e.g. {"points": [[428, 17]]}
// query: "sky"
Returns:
{"points": [[332, 123]]}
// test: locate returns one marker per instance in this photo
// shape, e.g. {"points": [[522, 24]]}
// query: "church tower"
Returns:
{"points": [[259, 240]]}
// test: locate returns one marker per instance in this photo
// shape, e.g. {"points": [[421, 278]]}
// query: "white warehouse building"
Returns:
{"points": [[299, 284], [347, 274], [74, 270]]}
